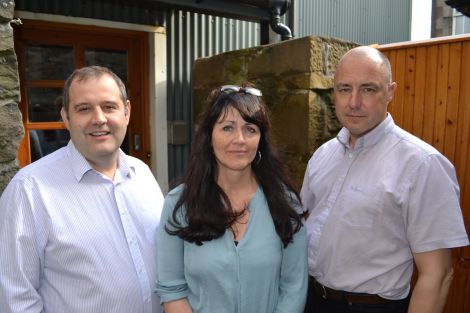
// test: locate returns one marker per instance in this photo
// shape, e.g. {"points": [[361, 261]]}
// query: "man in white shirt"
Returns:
{"points": [[378, 198], [77, 227]]}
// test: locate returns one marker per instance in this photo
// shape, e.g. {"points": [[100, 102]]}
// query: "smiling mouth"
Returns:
{"points": [[98, 134]]}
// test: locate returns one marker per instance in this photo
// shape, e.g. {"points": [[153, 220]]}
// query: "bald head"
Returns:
{"points": [[363, 88], [368, 55]]}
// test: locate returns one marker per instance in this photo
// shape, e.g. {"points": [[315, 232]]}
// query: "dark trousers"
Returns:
{"points": [[317, 304]]}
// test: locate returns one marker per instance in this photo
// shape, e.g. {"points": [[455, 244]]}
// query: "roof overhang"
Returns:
{"points": [[463, 6], [255, 10]]}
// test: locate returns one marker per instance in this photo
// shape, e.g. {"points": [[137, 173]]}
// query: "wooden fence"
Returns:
{"points": [[433, 102]]}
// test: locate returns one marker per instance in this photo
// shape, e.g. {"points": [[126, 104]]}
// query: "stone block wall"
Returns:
{"points": [[296, 78], [441, 24], [11, 126]]}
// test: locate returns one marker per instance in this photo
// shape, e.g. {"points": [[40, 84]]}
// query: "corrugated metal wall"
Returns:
{"points": [[192, 36], [461, 23], [361, 21]]}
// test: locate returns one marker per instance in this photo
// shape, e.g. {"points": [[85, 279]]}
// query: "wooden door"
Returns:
{"points": [[49, 52]]}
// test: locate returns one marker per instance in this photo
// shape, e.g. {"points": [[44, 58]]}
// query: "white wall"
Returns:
{"points": [[421, 12]]}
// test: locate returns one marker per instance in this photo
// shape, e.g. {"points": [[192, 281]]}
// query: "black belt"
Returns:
{"points": [[344, 296]]}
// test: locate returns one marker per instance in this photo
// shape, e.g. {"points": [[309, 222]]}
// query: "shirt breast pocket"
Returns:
{"points": [[361, 207]]}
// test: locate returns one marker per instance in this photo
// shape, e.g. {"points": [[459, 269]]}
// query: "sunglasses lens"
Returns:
{"points": [[248, 90], [230, 88], [253, 91]]}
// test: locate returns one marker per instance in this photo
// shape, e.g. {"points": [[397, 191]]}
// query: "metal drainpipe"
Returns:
{"points": [[279, 7]]}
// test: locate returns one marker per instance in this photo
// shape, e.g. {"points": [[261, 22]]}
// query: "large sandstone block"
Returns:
{"points": [[6, 10], [6, 37], [296, 78], [11, 131], [9, 80], [7, 171]]}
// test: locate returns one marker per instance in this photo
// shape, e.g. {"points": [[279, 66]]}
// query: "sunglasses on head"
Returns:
{"points": [[248, 90]]}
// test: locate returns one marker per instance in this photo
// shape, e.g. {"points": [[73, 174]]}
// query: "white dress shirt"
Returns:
{"points": [[371, 207], [73, 240]]}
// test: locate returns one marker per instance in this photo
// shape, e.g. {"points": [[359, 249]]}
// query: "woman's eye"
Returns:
{"points": [[227, 128]]}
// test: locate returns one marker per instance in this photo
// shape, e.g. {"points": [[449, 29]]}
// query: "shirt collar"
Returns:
{"points": [[80, 165], [369, 139]]}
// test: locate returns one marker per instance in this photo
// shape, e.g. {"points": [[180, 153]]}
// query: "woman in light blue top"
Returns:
{"points": [[232, 239]]}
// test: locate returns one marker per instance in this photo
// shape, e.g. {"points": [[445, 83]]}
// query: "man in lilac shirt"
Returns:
{"points": [[77, 227], [379, 199]]}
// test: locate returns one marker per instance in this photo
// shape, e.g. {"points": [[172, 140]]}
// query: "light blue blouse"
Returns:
{"points": [[256, 276]]}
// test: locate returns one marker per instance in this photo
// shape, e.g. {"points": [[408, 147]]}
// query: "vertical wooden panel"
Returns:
{"points": [[430, 96], [399, 74], [409, 89], [453, 89], [419, 91], [441, 97], [392, 55]]}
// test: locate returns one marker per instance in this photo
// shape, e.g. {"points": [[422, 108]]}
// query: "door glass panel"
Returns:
{"points": [[44, 104], [48, 62], [43, 142], [114, 60]]}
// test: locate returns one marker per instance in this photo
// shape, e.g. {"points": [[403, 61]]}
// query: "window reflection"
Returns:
{"points": [[48, 62], [43, 142], [44, 104], [114, 60]]}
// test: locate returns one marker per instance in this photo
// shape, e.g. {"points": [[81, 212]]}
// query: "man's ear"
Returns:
{"points": [[127, 110], [65, 117], [391, 91]]}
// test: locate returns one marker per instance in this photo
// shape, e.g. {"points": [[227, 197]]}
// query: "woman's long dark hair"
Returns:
{"points": [[208, 210]]}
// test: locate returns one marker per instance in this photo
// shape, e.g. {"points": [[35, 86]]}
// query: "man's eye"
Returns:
{"points": [[83, 109], [369, 90]]}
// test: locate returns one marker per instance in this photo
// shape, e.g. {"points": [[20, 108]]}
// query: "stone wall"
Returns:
{"points": [[11, 126], [441, 24], [296, 78]]}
